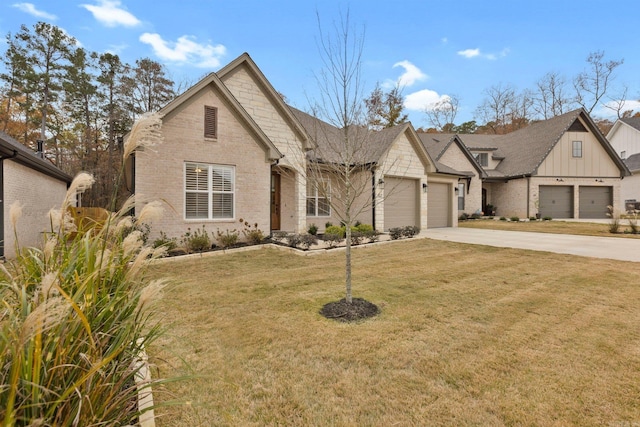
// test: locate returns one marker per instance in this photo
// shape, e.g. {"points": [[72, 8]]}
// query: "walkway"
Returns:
{"points": [[617, 248]]}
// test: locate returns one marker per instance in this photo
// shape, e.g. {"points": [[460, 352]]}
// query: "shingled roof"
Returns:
{"points": [[437, 143], [633, 162], [634, 122]]}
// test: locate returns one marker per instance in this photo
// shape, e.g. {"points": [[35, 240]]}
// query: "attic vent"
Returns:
{"points": [[210, 122], [577, 126]]}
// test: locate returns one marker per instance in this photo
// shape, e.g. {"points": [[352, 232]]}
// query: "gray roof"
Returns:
{"points": [[634, 122], [14, 150], [437, 143], [633, 162]]}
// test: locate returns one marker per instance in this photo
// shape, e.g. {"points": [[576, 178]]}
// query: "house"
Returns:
{"points": [[624, 137], [233, 149], [452, 156], [37, 184], [562, 168]]}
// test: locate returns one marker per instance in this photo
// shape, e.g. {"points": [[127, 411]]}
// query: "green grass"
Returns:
{"points": [[468, 335], [557, 227]]}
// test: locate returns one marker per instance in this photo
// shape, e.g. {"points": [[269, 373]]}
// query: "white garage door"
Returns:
{"points": [[439, 205], [401, 203], [594, 201], [556, 201]]}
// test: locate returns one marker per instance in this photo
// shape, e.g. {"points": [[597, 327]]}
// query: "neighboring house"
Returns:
{"points": [[234, 150], [624, 137], [452, 156], [34, 182], [562, 167]]}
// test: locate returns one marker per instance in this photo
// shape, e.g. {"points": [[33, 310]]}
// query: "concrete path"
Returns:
{"points": [[599, 247]]}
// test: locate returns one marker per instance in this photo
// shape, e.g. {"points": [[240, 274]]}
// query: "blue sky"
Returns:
{"points": [[435, 48]]}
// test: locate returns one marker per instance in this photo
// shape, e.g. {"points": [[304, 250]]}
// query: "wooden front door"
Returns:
{"points": [[275, 201]]}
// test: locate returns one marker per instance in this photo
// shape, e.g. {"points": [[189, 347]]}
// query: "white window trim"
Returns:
{"points": [[316, 196], [573, 149], [479, 156], [461, 189], [209, 191]]}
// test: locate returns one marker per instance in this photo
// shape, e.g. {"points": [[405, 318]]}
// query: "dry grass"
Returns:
{"points": [[557, 227], [468, 335]]}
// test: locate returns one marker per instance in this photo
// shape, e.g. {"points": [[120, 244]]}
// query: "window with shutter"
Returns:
{"points": [[210, 122], [209, 191]]}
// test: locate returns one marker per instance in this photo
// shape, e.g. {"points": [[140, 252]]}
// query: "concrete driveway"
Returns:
{"points": [[599, 247]]}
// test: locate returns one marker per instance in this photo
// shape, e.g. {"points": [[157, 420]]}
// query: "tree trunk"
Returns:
{"points": [[348, 296]]}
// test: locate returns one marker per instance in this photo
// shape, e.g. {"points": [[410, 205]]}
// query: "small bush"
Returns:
{"points": [[306, 240], [228, 238], [196, 241], [395, 233], [356, 237], [278, 236], [463, 217], [332, 239], [410, 230], [253, 234], [165, 241], [614, 225], [293, 240], [364, 228], [334, 229], [532, 218], [546, 218], [313, 229], [475, 215], [502, 218], [514, 219], [328, 224]]}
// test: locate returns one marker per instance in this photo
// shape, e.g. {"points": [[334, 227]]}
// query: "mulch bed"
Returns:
{"points": [[342, 311]]}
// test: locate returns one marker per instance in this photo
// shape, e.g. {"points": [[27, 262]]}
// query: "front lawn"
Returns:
{"points": [[557, 227], [468, 335]]}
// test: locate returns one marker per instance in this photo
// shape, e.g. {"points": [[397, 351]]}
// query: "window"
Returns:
{"points": [[210, 122], [318, 198], [460, 197], [209, 191], [482, 159], [577, 149]]}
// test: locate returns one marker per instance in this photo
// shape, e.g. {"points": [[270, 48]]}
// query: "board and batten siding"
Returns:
{"points": [[595, 161]]}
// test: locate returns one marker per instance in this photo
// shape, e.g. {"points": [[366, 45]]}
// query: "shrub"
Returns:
{"points": [[306, 240], [514, 219], [334, 229], [279, 236], [410, 230], [75, 317], [633, 222], [356, 237], [503, 218], [313, 229], [332, 239], [228, 238], [395, 233], [475, 215], [614, 225], [372, 235], [546, 218], [463, 217], [364, 228], [328, 224], [196, 241], [252, 233], [532, 218], [165, 241]]}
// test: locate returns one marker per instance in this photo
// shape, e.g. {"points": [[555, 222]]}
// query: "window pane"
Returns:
{"points": [[323, 207], [311, 206], [196, 176], [577, 148], [222, 178], [222, 205], [197, 205]]}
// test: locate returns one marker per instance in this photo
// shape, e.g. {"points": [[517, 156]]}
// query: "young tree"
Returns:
{"points": [[384, 109], [594, 83], [550, 98], [497, 107]]}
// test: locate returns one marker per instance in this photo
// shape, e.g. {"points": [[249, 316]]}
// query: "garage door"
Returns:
{"points": [[400, 206], [594, 201], [439, 206], [556, 201]]}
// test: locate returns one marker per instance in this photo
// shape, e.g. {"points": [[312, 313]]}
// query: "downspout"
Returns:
{"points": [[528, 195], [373, 198]]}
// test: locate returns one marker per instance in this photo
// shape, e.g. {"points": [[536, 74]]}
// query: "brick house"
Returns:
{"points": [[562, 167], [34, 182], [233, 149]]}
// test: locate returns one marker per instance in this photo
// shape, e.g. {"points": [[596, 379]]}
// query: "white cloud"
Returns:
{"points": [[411, 75], [185, 50], [473, 53], [469, 53], [423, 99], [31, 10], [110, 14]]}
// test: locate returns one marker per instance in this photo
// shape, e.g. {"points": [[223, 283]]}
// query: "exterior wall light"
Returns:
{"points": [[424, 187]]}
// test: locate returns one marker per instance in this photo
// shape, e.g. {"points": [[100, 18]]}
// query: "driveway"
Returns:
{"points": [[599, 247]]}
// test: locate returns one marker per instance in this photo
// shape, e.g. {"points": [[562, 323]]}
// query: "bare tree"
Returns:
{"points": [[442, 114], [497, 106], [384, 109], [594, 83], [550, 98]]}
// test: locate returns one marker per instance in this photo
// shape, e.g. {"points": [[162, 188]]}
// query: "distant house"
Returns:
{"points": [[37, 184], [562, 168], [624, 137], [233, 149]]}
